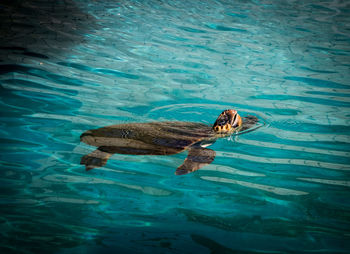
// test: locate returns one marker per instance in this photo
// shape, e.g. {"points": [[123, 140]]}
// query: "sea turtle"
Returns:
{"points": [[164, 138]]}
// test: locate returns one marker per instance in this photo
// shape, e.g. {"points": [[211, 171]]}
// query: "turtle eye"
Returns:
{"points": [[222, 122]]}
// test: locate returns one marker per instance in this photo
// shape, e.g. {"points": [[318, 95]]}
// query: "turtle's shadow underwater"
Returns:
{"points": [[164, 138]]}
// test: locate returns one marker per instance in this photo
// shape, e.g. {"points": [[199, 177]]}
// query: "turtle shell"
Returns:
{"points": [[157, 138]]}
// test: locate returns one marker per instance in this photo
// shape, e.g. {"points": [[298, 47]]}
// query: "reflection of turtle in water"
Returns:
{"points": [[163, 138]]}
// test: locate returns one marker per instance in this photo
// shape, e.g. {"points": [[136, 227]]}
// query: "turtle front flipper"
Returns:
{"points": [[95, 159], [197, 157]]}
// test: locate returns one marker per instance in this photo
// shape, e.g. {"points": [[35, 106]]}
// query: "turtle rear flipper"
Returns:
{"points": [[197, 157], [95, 159]]}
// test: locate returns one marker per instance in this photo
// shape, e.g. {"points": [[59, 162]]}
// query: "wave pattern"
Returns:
{"points": [[74, 65]]}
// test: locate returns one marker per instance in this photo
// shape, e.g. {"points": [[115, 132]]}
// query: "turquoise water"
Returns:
{"points": [[70, 66]]}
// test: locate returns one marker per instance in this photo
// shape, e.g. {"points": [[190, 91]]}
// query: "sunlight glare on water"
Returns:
{"points": [[70, 66]]}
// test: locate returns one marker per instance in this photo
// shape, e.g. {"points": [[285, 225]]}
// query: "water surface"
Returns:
{"points": [[70, 66]]}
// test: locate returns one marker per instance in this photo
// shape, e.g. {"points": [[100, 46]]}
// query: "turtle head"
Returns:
{"points": [[227, 122]]}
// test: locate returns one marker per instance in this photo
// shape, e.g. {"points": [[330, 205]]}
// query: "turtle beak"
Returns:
{"points": [[236, 120]]}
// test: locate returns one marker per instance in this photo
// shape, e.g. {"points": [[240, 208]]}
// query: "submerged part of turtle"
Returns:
{"points": [[164, 138]]}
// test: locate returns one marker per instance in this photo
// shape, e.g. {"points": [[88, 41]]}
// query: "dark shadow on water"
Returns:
{"points": [[43, 218], [34, 28]]}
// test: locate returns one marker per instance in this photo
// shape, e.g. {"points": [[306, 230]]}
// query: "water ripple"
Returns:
{"points": [[279, 161], [275, 190], [327, 181], [294, 148], [69, 66]]}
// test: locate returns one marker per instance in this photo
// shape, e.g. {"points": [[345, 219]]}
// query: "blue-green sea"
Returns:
{"points": [[70, 66]]}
